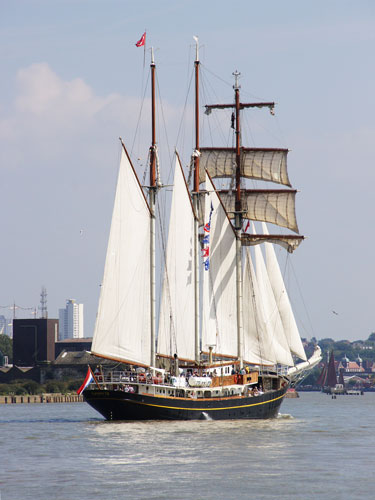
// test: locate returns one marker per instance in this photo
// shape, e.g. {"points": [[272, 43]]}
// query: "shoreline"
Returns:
{"points": [[41, 398]]}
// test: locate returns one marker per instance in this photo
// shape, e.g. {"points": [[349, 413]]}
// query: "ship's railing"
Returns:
{"points": [[118, 377], [282, 370], [128, 377]]}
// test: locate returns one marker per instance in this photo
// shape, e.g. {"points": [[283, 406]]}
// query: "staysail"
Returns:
{"points": [[122, 329], [176, 323], [282, 301], [257, 343], [219, 321], [271, 312]]}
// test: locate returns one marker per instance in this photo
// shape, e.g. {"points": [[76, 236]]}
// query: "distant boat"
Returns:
{"points": [[328, 379], [241, 363], [329, 383]]}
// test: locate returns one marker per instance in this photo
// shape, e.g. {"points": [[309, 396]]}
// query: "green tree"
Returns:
{"points": [[54, 386], [32, 387]]}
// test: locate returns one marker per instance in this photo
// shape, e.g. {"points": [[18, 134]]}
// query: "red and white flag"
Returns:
{"points": [[141, 41]]}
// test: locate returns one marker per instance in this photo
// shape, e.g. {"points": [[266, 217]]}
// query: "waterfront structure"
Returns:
{"points": [[34, 341], [71, 321]]}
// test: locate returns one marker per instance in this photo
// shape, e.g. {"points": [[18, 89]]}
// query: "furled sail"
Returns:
{"points": [[287, 241], [122, 329], [282, 301], [176, 324], [274, 206], [271, 312], [256, 163], [219, 318], [257, 343]]}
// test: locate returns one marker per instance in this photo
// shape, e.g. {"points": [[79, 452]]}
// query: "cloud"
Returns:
{"points": [[59, 154], [50, 115]]}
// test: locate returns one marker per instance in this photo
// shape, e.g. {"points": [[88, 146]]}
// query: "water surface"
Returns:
{"points": [[318, 448]]}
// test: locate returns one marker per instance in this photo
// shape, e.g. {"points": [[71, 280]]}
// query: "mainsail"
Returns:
{"points": [[219, 322], [176, 323], [122, 329]]}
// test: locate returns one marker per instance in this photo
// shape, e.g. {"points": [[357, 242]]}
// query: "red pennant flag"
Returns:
{"points": [[141, 41]]}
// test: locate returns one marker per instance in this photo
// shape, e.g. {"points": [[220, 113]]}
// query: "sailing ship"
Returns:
{"points": [[328, 379], [227, 338]]}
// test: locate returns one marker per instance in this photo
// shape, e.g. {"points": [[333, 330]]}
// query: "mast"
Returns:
{"points": [[152, 196], [238, 223], [195, 204]]}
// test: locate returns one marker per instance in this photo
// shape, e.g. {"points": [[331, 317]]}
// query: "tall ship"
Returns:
{"points": [[227, 345]]}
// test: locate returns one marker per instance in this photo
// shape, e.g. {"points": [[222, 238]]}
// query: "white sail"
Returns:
{"points": [[256, 163], [219, 317], [122, 329], [276, 206], [282, 301], [176, 323], [257, 345], [271, 312]]}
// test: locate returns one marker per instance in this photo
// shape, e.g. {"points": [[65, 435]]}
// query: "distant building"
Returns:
{"points": [[71, 321], [4, 325], [34, 341], [72, 345]]}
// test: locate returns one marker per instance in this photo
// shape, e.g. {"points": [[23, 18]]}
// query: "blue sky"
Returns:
{"points": [[72, 84]]}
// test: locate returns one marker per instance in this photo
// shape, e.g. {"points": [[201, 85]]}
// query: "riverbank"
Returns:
{"points": [[41, 398]]}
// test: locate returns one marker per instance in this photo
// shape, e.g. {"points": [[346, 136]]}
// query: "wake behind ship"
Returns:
{"points": [[227, 339]]}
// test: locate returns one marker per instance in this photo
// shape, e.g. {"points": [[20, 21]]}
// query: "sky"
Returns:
{"points": [[73, 82]]}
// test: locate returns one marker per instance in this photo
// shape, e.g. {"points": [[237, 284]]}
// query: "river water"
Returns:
{"points": [[318, 448]]}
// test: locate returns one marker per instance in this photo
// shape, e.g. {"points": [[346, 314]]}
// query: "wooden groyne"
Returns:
{"points": [[41, 398]]}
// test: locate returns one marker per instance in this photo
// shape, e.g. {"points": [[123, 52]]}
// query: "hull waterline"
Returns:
{"points": [[119, 405]]}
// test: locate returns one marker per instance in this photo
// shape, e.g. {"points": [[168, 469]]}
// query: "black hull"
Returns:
{"points": [[119, 405]]}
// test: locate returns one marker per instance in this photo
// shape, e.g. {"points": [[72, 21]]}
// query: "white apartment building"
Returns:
{"points": [[71, 321]]}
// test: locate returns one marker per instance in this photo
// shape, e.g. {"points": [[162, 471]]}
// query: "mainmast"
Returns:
{"points": [[238, 222], [196, 204], [238, 208], [152, 196]]}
